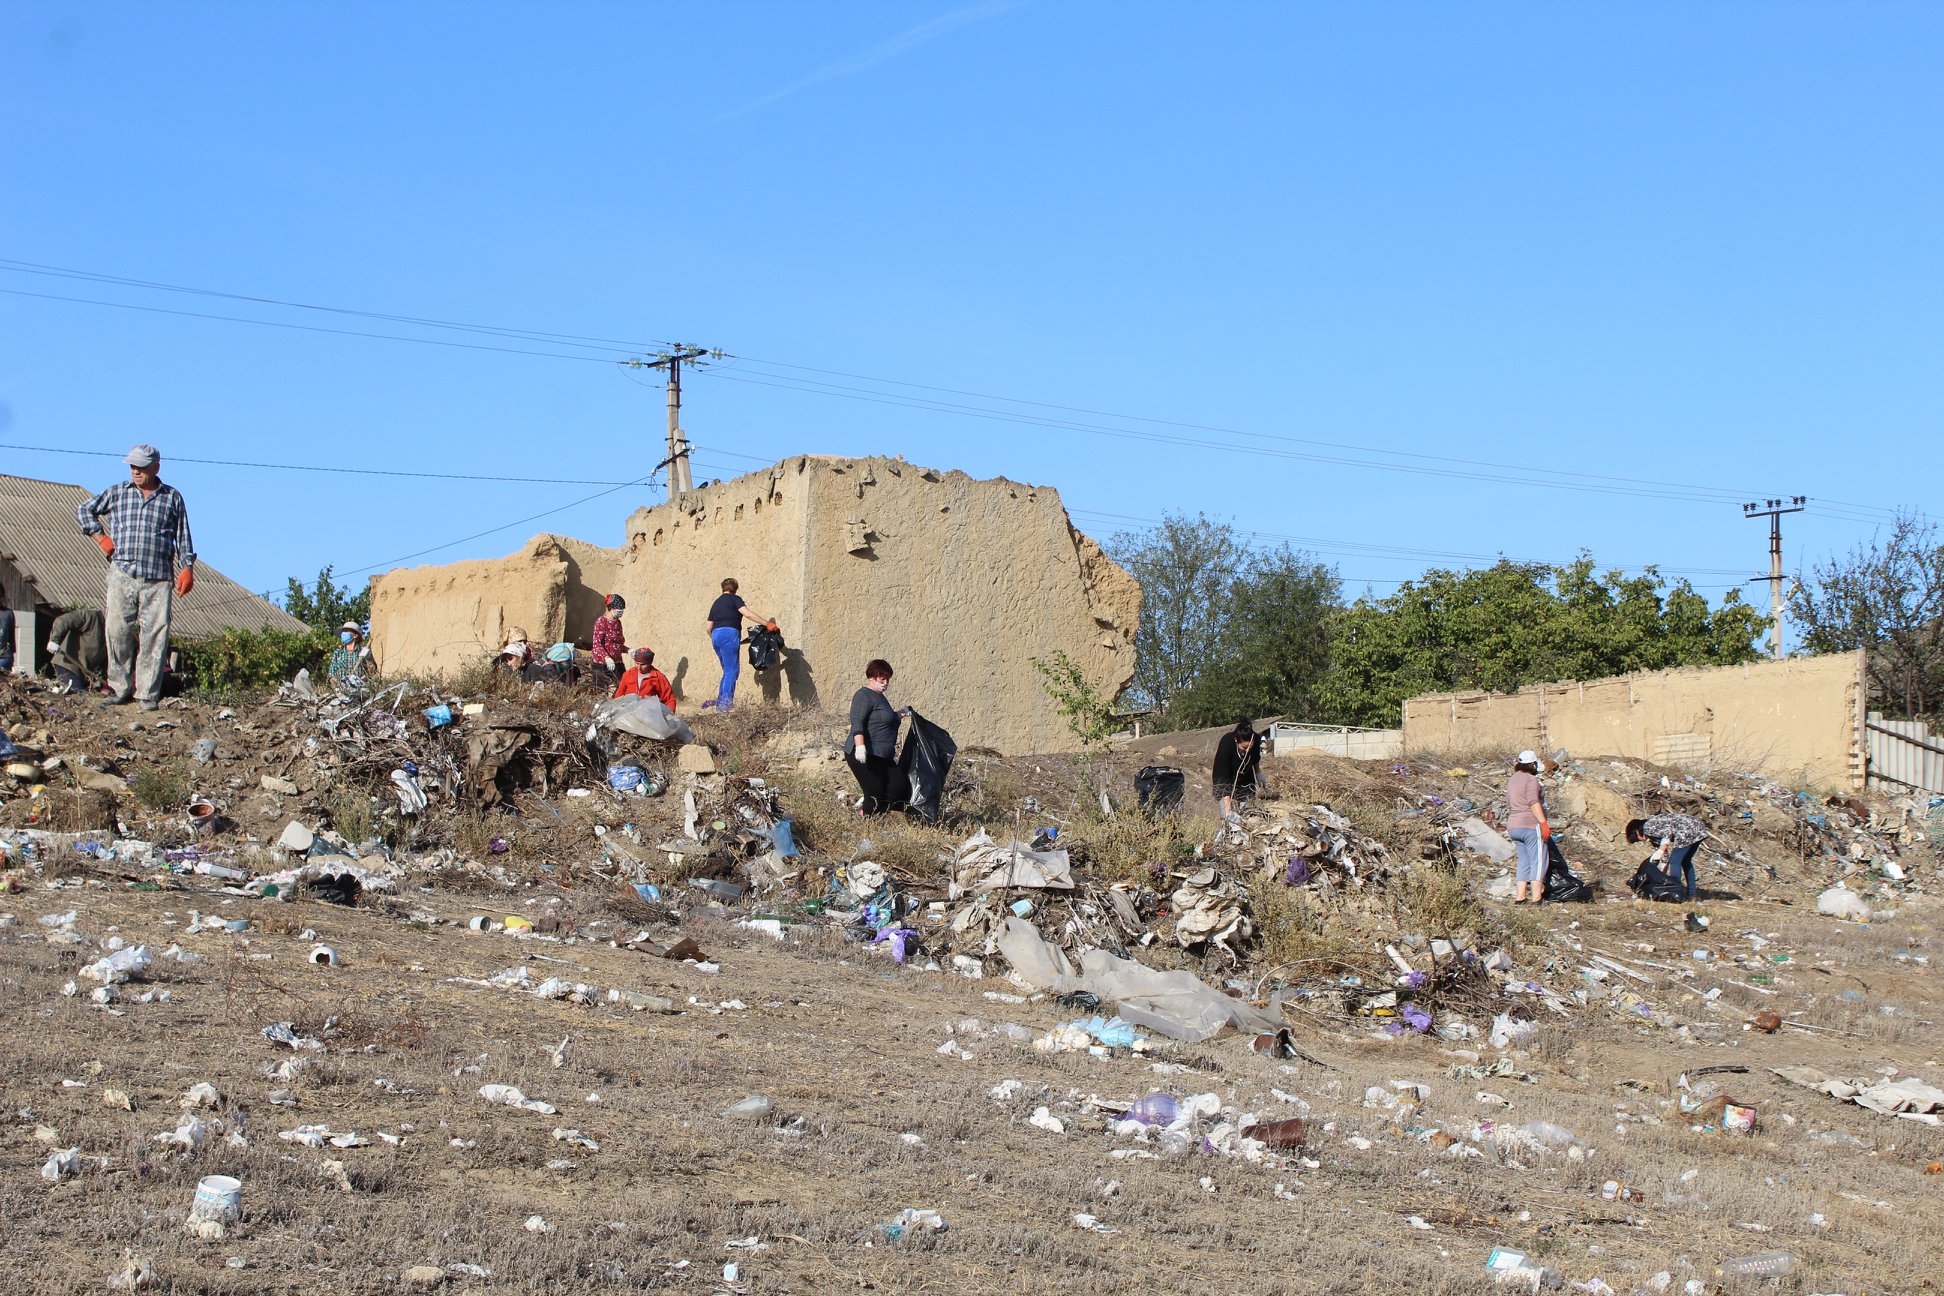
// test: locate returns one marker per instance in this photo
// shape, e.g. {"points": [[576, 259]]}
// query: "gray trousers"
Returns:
{"points": [[137, 607]]}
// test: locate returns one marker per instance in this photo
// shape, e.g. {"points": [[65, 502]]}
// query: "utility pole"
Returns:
{"points": [[1773, 512], [677, 463]]}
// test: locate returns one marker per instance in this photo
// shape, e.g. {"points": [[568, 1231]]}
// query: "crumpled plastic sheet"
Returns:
{"points": [[1908, 1098], [1176, 1004], [982, 864], [645, 717]]}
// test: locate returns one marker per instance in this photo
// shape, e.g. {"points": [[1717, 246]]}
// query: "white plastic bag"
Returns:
{"points": [[645, 716], [1841, 902]]}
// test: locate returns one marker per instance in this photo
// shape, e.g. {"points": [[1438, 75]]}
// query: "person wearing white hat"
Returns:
{"points": [[142, 528], [351, 659], [518, 654], [1526, 825]]}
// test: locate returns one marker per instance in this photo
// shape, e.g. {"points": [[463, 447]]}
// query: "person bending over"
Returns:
{"points": [[1676, 838], [1238, 761]]}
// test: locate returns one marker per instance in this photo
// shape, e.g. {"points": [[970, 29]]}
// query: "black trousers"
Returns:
{"points": [[875, 776]]}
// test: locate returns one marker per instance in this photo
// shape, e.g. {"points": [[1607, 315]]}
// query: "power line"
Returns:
{"points": [[532, 335], [307, 328], [1230, 431], [1684, 495], [1524, 474], [330, 468], [1402, 553]]}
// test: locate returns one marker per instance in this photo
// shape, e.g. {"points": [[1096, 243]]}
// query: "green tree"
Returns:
{"points": [[1272, 646], [1186, 567], [1886, 597], [326, 606], [1514, 624]]}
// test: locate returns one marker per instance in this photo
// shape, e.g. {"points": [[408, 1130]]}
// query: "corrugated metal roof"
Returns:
{"points": [[39, 536]]}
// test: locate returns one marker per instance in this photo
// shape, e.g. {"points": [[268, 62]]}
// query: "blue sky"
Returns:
{"points": [[1693, 246]]}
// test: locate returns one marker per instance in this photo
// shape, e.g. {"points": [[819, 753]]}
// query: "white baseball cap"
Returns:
{"points": [[1528, 758]]}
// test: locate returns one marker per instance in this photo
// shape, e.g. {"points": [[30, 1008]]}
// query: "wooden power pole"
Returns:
{"points": [[680, 479], [1773, 512]]}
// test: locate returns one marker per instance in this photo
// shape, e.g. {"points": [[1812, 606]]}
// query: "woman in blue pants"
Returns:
{"points": [[725, 636]]}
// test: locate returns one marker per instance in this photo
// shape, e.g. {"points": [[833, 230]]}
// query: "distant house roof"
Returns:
{"points": [[38, 536]]}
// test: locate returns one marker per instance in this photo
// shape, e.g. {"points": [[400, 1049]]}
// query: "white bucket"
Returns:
{"points": [[324, 954], [218, 1197]]}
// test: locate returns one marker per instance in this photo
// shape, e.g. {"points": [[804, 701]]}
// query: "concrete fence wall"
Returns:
{"points": [[1337, 740], [1800, 718]]}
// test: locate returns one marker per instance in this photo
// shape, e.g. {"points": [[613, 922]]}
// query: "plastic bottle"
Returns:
{"points": [[1767, 1264]]}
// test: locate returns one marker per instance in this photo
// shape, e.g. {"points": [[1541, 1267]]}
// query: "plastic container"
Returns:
{"points": [[438, 716], [1766, 1264], [724, 891], [648, 891], [1158, 1108], [202, 818], [218, 1197]]}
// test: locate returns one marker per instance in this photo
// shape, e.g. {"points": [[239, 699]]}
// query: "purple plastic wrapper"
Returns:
{"points": [[1416, 1018], [1298, 872]]}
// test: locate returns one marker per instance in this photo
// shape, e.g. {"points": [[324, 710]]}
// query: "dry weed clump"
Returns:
{"points": [[1134, 847], [1293, 928], [161, 787]]}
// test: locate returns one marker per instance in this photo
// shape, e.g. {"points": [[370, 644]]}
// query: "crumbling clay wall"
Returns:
{"points": [[433, 621], [958, 582], [1799, 718]]}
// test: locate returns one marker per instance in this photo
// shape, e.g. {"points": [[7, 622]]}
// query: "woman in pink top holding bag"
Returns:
{"points": [[1527, 827]]}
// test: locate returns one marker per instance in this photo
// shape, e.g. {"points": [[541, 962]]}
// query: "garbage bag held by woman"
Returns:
{"points": [[926, 761]]}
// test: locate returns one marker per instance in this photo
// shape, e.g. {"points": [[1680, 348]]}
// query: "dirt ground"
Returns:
{"points": [[442, 1190]]}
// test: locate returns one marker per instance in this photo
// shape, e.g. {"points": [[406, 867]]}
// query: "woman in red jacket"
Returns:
{"points": [[643, 680]]}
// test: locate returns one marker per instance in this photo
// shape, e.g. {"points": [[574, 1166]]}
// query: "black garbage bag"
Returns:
{"points": [[925, 762], [765, 647], [336, 888], [1159, 789], [1562, 884], [1651, 882]]}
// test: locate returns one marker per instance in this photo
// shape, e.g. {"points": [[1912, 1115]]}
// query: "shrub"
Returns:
{"points": [[253, 658], [160, 787]]}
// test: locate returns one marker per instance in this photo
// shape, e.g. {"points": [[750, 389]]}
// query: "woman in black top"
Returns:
{"points": [[725, 636], [871, 749], [1237, 757]]}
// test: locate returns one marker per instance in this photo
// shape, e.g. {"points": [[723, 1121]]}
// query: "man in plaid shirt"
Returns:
{"points": [[142, 527]]}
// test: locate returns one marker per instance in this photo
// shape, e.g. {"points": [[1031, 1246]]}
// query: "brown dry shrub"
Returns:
{"points": [[76, 810], [1133, 847]]}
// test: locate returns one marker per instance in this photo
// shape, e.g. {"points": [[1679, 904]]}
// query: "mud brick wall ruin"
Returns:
{"points": [[957, 582], [1801, 718]]}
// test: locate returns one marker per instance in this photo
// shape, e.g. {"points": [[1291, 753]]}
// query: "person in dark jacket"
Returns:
{"points": [[871, 749], [77, 646], [1238, 758], [6, 636]]}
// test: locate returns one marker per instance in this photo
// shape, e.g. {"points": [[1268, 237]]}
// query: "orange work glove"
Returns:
{"points": [[107, 545], [185, 580], [1545, 831]]}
